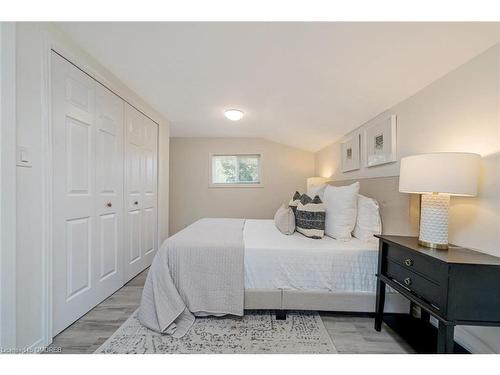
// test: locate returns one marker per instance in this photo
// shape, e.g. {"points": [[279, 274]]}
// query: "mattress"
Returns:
{"points": [[274, 260]]}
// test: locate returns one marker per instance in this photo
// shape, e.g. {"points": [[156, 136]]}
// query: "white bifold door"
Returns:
{"points": [[141, 137], [90, 257]]}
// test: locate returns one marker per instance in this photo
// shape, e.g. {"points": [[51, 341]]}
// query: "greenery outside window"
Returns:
{"points": [[236, 170]]}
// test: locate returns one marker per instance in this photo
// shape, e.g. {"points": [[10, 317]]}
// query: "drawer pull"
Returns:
{"points": [[409, 262], [408, 281], [109, 204], [136, 203]]}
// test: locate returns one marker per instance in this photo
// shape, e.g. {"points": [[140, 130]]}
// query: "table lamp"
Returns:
{"points": [[313, 182], [437, 176]]}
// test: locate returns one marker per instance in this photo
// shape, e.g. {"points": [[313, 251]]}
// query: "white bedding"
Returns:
{"points": [[274, 260]]}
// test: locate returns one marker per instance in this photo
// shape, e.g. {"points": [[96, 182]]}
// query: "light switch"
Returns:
{"points": [[23, 156]]}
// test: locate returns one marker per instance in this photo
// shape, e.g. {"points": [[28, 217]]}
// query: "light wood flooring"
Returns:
{"points": [[350, 334]]}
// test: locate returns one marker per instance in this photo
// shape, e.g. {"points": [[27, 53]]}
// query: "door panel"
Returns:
{"points": [[108, 246], [78, 153], [87, 123], [135, 127], [141, 182], [79, 240], [135, 169], [134, 236], [149, 230], [73, 113], [79, 96], [149, 183], [109, 190], [107, 149]]}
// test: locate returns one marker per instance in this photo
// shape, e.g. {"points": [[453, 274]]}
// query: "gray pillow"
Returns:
{"points": [[284, 219]]}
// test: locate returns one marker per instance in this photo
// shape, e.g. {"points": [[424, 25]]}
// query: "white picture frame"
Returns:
{"points": [[350, 153], [380, 142]]}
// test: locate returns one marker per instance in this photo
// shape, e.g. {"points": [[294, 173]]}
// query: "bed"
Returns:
{"points": [[224, 266], [295, 272]]}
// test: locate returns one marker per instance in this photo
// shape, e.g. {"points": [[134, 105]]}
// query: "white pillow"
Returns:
{"points": [[317, 190], [341, 206], [368, 221]]}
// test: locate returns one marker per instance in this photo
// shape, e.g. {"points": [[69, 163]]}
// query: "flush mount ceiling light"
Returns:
{"points": [[234, 114]]}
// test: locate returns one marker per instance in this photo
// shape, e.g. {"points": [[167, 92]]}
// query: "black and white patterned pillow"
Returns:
{"points": [[294, 202], [310, 217]]}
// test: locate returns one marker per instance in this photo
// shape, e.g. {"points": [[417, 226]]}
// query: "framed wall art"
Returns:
{"points": [[380, 141], [350, 153]]}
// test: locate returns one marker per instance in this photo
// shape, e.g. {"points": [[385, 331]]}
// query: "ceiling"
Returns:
{"points": [[301, 84]]}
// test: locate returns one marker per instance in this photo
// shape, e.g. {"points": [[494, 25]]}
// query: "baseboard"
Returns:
{"points": [[37, 347], [471, 342]]}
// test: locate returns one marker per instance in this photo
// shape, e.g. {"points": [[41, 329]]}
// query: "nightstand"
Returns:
{"points": [[457, 286]]}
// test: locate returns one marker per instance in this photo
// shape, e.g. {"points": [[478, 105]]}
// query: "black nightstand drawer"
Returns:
{"points": [[419, 285], [429, 268]]}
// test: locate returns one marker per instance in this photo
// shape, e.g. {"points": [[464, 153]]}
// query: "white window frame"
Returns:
{"points": [[211, 184]]}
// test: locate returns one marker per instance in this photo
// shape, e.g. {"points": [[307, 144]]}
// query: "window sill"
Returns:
{"points": [[239, 186]]}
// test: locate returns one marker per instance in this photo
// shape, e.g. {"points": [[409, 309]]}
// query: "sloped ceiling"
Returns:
{"points": [[301, 84]]}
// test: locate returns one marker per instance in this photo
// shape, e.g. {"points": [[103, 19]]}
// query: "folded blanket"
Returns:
{"points": [[197, 271]]}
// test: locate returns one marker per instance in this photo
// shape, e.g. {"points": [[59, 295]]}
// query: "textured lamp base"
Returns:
{"points": [[434, 221]]}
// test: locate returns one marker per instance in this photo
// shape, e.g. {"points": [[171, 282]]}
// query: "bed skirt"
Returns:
{"points": [[284, 299]]}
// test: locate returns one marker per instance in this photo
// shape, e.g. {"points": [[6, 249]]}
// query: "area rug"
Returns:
{"points": [[256, 332]]}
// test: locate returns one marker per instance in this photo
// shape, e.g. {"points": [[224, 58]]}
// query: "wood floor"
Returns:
{"points": [[95, 327], [349, 334]]}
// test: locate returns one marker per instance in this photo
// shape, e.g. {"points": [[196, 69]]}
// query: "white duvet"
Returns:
{"points": [[275, 260]]}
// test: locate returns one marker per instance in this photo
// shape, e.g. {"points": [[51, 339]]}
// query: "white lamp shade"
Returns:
{"points": [[453, 173], [315, 181]]}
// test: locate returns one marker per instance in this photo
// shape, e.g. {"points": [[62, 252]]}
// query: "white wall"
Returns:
{"points": [[32, 50], [458, 112], [7, 184], [285, 170]]}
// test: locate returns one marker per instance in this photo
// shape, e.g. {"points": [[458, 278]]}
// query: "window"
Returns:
{"points": [[236, 170]]}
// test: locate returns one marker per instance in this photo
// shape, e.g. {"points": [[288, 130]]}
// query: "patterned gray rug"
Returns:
{"points": [[256, 332]]}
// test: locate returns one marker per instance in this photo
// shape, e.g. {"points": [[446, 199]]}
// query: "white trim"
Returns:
{"points": [[471, 342], [243, 185], [46, 204], [35, 348], [8, 185], [158, 240]]}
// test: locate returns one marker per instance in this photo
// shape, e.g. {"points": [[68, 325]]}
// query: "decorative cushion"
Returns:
{"points": [[368, 222], [284, 219], [310, 217], [341, 206], [294, 201]]}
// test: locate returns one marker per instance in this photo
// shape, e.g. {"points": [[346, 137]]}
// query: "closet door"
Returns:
{"points": [[150, 196], [109, 191], [141, 191], [87, 122]]}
